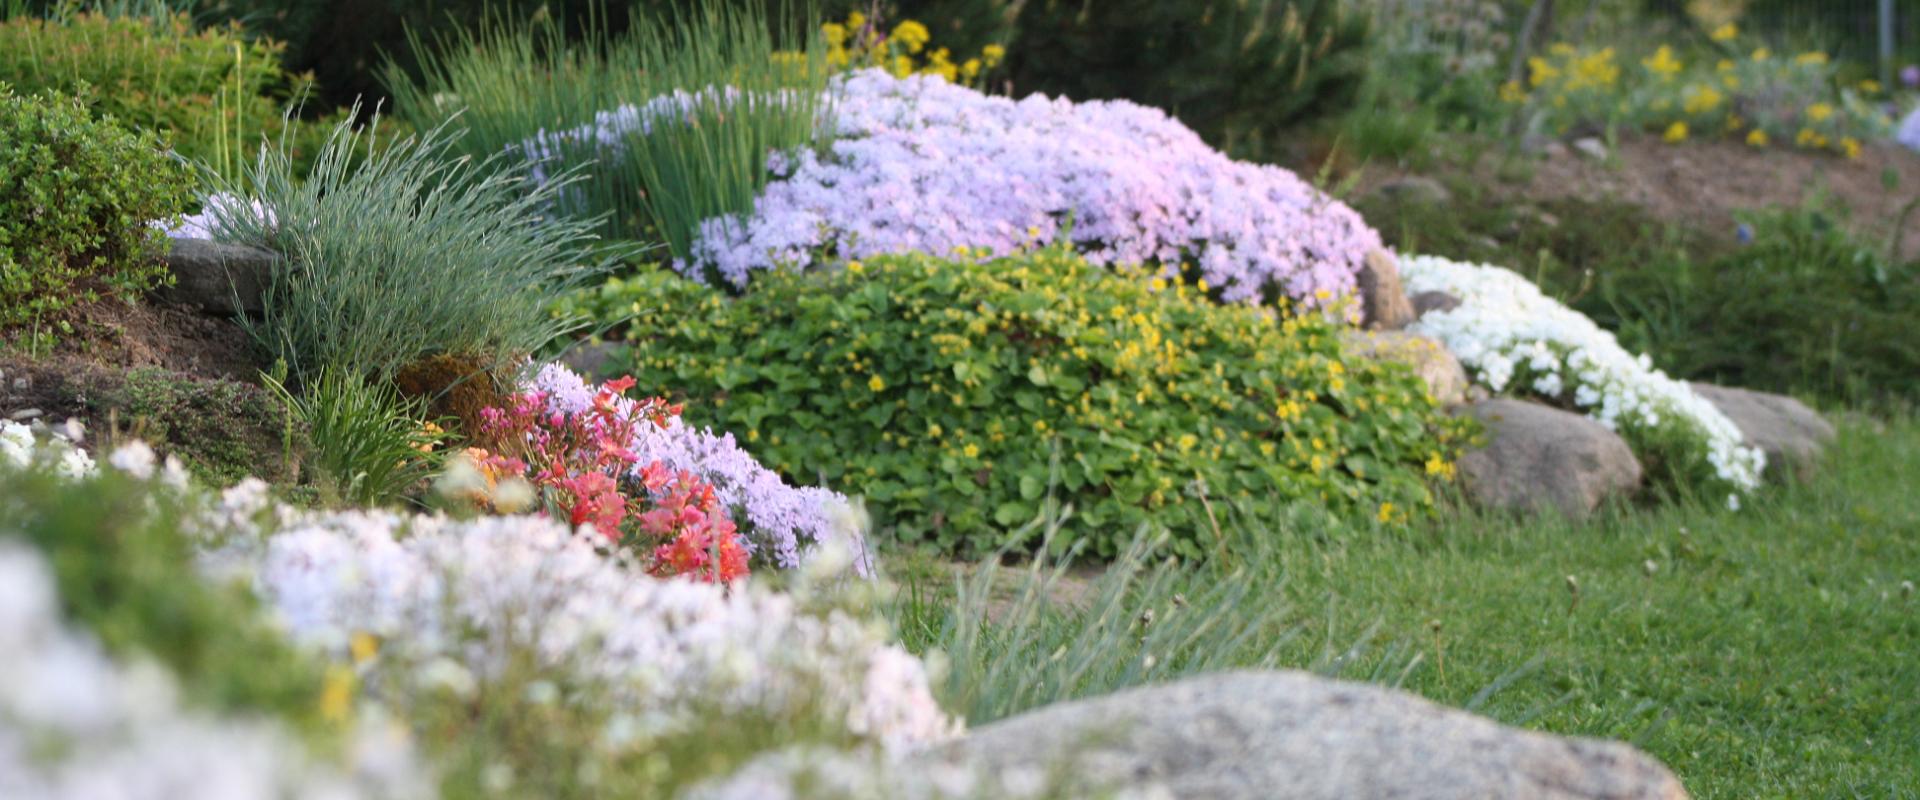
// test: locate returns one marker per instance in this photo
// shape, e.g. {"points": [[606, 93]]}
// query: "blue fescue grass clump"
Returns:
{"points": [[397, 251]]}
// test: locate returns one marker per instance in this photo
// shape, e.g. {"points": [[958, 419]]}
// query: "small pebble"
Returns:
{"points": [[24, 414]]}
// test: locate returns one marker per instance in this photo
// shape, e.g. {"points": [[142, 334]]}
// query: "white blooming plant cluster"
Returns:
{"points": [[453, 598], [23, 445], [75, 723], [1513, 338], [422, 609]]}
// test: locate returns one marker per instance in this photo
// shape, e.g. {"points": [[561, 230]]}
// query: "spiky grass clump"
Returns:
{"points": [[734, 98], [397, 251]]}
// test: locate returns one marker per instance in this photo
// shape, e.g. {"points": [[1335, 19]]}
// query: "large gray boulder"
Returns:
{"points": [[1538, 457], [1297, 736], [1383, 299], [222, 279], [1791, 434], [1429, 359]]}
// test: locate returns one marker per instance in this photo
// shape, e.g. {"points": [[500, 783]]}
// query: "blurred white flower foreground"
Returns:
{"points": [[75, 724], [448, 602], [461, 595]]}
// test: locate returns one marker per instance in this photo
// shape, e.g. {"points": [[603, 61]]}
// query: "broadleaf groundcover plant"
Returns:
{"points": [[963, 396]]}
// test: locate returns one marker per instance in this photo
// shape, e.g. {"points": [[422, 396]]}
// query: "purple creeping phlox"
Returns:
{"points": [[923, 164]]}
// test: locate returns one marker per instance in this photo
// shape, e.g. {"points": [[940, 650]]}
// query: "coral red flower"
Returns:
{"points": [[582, 460], [596, 499]]}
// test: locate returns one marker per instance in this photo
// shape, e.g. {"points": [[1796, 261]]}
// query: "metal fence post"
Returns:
{"points": [[1886, 42]]}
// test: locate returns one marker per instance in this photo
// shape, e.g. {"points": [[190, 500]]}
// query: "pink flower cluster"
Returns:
{"points": [[778, 522], [923, 164], [582, 459]]}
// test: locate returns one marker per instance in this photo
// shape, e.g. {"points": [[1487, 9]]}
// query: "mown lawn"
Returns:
{"points": [[1772, 652]]}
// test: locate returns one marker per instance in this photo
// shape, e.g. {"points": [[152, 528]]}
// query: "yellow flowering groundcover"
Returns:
{"points": [[959, 394], [1737, 91]]}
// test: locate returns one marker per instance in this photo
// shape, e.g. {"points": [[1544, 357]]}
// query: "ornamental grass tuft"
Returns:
{"points": [[399, 251], [732, 102]]}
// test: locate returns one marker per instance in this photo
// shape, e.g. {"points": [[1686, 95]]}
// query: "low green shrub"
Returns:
{"points": [[223, 431], [1235, 72], [208, 93], [954, 393], [401, 251], [75, 196], [1806, 308]]}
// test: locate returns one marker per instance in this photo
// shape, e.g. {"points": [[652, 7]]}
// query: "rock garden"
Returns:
{"points": [[947, 399]]}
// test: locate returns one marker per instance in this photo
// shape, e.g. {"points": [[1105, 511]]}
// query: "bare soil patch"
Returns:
{"points": [[178, 339], [184, 382], [1701, 184]]}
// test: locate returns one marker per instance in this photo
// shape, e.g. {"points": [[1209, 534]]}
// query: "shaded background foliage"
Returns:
{"points": [[1234, 71]]}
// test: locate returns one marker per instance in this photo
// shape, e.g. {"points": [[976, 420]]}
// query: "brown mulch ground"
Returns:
{"points": [[1702, 183], [148, 334], [185, 382]]}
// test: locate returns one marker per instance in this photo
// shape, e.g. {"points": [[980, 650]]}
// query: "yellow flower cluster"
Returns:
{"points": [[1701, 99], [1782, 98], [859, 42], [1570, 70], [1662, 63]]}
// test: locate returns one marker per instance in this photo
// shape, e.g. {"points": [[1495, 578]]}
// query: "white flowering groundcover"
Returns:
{"points": [[1513, 338], [121, 731], [456, 596], [20, 446], [449, 602]]}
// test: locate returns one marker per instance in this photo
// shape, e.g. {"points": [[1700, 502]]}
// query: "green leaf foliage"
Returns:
{"points": [[75, 196], [1806, 308], [1233, 70], [369, 443], [965, 397], [209, 94], [519, 86]]}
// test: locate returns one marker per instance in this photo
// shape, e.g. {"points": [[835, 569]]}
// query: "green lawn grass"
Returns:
{"points": [[1771, 652]]}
